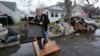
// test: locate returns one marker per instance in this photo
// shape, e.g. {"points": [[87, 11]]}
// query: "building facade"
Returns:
{"points": [[55, 12], [10, 9]]}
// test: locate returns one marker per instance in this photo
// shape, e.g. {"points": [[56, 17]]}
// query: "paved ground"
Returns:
{"points": [[74, 47], [70, 46]]}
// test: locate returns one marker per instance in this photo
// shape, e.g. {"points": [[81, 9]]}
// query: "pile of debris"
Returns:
{"points": [[77, 24], [83, 24], [8, 37], [61, 27]]}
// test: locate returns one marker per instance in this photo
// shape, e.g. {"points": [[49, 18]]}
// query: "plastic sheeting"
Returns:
{"points": [[90, 21], [97, 32], [68, 29]]}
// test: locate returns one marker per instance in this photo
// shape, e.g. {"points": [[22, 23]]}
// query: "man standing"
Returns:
{"points": [[43, 20]]}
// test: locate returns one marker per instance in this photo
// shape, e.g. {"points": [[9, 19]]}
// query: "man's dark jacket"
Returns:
{"points": [[43, 18]]}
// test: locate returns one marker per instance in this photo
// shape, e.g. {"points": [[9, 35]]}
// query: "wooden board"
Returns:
{"points": [[35, 30], [49, 48]]}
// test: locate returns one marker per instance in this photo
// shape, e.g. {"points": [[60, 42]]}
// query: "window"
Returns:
{"points": [[56, 14], [52, 14]]}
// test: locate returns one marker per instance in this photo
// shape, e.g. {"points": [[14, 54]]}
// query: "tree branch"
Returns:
{"points": [[88, 1]]}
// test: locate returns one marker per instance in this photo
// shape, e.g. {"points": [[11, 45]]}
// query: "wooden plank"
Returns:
{"points": [[35, 30], [49, 48]]}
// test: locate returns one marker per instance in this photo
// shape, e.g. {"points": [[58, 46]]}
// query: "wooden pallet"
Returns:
{"points": [[49, 48]]}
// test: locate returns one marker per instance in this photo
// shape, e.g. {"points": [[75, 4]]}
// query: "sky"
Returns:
{"points": [[23, 5]]}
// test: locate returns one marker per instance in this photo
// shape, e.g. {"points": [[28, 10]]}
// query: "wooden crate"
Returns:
{"points": [[49, 48]]}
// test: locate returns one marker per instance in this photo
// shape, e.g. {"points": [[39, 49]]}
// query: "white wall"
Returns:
{"points": [[52, 19]]}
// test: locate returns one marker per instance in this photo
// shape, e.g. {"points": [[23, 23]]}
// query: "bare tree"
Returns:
{"points": [[88, 1]]}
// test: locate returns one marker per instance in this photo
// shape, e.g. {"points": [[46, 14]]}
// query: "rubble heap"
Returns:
{"points": [[80, 24]]}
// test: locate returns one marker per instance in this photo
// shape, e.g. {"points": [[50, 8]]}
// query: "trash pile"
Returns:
{"points": [[61, 27], [10, 36], [56, 28], [77, 24], [83, 24]]}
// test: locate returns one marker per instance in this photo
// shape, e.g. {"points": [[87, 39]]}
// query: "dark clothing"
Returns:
{"points": [[44, 19], [41, 44]]}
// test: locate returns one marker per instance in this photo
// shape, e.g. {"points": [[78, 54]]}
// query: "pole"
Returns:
{"points": [[7, 21]]}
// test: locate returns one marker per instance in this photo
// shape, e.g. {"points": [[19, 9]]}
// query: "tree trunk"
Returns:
{"points": [[67, 9]]}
